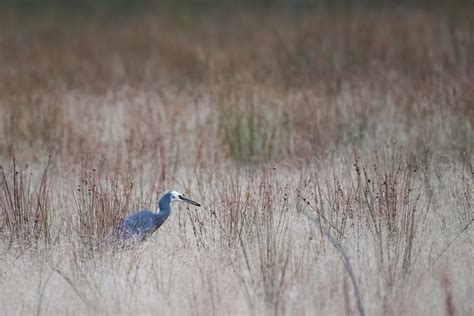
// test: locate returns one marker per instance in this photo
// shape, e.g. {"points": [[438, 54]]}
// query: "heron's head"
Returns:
{"points": [[179, 197]]}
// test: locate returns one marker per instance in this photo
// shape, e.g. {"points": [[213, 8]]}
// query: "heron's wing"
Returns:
{"points": [[140, 224]]}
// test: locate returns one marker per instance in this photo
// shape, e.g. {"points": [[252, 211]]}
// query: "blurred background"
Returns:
{"points": [[283, 79]]}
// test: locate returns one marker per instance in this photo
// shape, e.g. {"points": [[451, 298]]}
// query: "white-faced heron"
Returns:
{"points": [[144, 223]]}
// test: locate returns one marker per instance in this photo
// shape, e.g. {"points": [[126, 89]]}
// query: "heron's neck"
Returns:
{"points": [[164, 208]]}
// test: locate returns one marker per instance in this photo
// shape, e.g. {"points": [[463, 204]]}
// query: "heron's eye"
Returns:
{"points": [[181, 196]]}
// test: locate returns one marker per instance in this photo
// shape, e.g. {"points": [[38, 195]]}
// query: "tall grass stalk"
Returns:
{"points": [[25, 205]]}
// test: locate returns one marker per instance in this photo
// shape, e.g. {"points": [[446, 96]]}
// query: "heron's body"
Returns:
{"points": [[141, 224], [144, 223]]}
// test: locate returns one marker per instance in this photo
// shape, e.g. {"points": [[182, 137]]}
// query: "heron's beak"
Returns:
{"points": [[189, 201]]}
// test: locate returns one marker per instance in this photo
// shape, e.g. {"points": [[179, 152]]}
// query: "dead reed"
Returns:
{"points": [[25, 205]]}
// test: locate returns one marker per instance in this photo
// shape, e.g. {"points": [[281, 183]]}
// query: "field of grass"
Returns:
{"points": [[332, 151]]}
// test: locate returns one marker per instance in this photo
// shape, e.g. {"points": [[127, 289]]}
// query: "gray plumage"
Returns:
{"points": [[143, 224]]}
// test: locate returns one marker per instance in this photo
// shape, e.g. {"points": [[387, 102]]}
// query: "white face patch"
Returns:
{"points": [[175, 196]]}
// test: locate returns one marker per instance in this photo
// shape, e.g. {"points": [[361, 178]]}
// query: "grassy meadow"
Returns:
{"points": [[332, 150]]}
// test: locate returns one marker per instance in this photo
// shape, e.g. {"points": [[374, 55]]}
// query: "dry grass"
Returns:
{"points": [[24, 206], [332, 152]]}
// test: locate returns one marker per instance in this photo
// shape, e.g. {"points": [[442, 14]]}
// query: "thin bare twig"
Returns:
{"points": [[344, 259], [452, 241]]}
